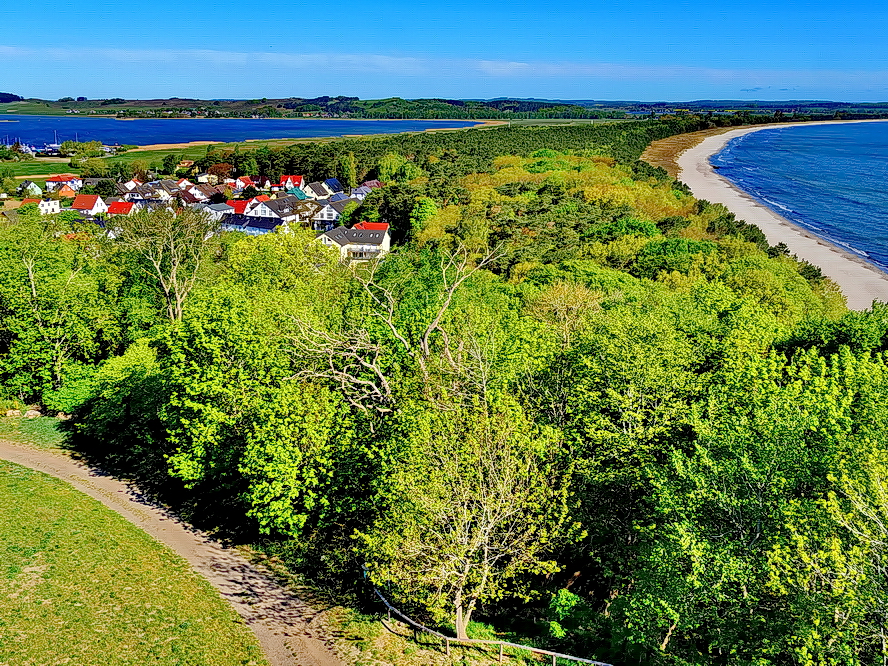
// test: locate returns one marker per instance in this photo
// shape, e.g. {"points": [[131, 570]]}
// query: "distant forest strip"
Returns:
{"points": [[432, 108], [466, 151]]}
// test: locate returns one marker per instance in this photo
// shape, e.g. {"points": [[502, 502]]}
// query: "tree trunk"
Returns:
{"points": [[463, 615]]}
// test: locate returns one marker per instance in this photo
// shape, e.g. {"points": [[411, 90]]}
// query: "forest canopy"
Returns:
{"points": [[574, 402]]}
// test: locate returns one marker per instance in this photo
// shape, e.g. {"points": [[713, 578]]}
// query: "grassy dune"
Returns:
{"points": [[80, 585]]}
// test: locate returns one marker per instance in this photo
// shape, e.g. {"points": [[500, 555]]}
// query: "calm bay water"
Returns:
{"points": [[39, 130], [830, 179]]}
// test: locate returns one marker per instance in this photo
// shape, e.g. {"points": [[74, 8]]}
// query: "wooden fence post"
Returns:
{"points": [[501, 653], [447, 641]]}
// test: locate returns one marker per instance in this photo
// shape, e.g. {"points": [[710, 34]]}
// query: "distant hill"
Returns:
{"points": [[500, 108], [706, 105]]}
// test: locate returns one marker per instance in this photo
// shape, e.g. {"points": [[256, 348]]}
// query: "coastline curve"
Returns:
{"points": [[860, 281]]}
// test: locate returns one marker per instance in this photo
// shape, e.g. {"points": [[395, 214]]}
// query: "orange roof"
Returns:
{"points": [[85, 201], [27, 201], [62, 178], [67, 190], [261, 197], [372, 226], [120, 208]]}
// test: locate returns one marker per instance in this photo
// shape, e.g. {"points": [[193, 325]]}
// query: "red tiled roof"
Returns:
{"points": [[239, 205], [62, 178], [27, 201], [372, 226], [296, 179], [261, 197], [120, 208], [85, 201]]}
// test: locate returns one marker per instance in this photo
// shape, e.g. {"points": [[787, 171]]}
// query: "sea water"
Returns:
{"points": [[40, 130], [830, 179]]}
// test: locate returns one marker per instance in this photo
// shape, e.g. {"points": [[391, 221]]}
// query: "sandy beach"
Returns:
{"points": [[860, 281]]}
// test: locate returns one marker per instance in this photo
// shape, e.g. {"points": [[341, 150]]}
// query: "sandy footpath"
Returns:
{"points": [[860, 281], [282, 622]]}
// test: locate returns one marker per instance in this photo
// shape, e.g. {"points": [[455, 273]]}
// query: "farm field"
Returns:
{"points": [[37, 168], [81, 585]]}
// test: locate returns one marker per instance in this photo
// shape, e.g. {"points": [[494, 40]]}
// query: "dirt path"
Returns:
{"points": [[281, 621]]}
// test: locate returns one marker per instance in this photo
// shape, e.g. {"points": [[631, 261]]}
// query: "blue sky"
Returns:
{"points": [[604, 49]]}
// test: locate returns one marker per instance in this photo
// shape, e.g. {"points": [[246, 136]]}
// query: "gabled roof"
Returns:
{"points": [[296, 192], [239, 205], [281, 207], [267, 223], [343, 236], [339, 196], [206, 190], [319, 189], [372, 184], [63, 178], [372, 226], [334, 184], [85, 201], [245, 221], [297, 180], [187, 197], [120, 208], [220, 208], [27, 201], [262, 197], [339, 206], [234, 220], [307, 208]]}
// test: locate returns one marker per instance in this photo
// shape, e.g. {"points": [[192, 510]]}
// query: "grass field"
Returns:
{"points": [[80, 585], [37, 167], [42, 432], [31, 108]]}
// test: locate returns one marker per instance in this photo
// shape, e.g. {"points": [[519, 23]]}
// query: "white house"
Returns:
{"points": [[58, 182], [90, 204], [358, 244], [46, 206]]}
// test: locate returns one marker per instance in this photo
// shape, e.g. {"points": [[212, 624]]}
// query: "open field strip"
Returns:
{"points": [[83, 586]]}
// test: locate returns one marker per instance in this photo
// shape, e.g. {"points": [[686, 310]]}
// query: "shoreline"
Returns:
{"points": [[861, 282]]}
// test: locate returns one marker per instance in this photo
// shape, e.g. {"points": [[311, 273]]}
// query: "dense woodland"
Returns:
{"points": [[575, 403]]}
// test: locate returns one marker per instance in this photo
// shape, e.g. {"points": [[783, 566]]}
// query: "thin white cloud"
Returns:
{"points": [[207, 64]]}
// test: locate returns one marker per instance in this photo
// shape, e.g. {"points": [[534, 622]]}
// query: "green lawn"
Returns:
{"points": [[80, 585], [33, 168], [31, 108], [42, 432]]}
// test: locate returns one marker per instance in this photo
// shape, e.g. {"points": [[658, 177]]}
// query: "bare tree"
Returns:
{"points": [[352, 358], [171, 246]]}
